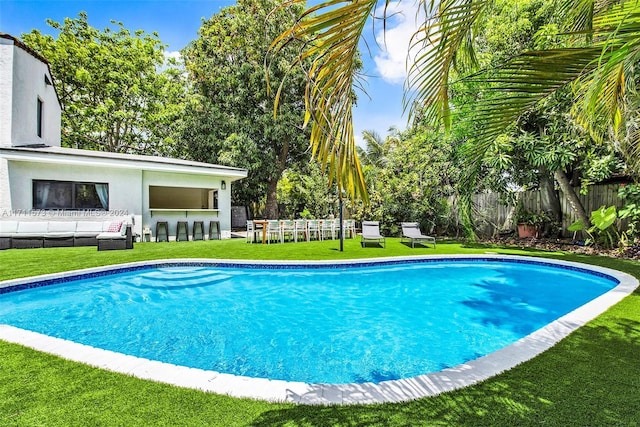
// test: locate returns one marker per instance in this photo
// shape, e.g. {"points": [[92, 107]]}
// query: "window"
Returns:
{"points": [[39, 117], [182, 198], [70, 195]]}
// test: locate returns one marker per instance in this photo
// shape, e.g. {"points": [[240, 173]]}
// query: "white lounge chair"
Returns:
{"points": [[411, 232], [371, 233]]}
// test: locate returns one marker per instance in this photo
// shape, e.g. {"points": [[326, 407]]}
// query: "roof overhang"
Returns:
{"points": [[75, 157]]}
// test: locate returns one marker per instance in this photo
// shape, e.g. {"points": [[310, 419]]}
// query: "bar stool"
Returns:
{"points": [[182, 231], [198, 230], [214, 229], [162, 231]]}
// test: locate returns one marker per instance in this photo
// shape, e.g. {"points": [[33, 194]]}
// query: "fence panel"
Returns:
{"points": [[491, 216]]}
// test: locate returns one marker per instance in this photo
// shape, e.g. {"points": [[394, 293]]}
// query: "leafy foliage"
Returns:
{"points": [[114, 93], [602, 230], [230, 120], [410, 182], [303, 193], [631, 209]]}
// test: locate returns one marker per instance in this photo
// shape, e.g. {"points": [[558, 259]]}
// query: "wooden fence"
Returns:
{"points": [[492, 216]]}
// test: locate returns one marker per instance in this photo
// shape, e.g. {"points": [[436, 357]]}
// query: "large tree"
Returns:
{"points": [[114, 94], [232, 122]]}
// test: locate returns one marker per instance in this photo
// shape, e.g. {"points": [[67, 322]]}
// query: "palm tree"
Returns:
{"points": [[600, 67], [376, 151]]}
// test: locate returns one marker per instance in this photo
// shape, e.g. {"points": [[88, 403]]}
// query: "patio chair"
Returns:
{"points": [[313, 228], [300, 229], [371, 233], [328, 228], [349, 227], [287, 228], [251, 232], [273, 230], [411, 232]]}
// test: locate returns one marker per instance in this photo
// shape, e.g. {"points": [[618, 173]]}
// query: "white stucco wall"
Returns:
{"points": [[29, 85], [22, 82], [223, 215], [6, 91], [125, 187]]}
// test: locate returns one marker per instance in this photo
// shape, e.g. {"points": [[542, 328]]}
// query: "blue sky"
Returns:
{"points": [[177, 23]]}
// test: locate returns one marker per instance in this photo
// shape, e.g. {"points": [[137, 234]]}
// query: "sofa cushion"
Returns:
{"points": [[89, 227], [29, 236], [33, 227], [111, 236], [62, 227], [8, 227], [59, 235]]}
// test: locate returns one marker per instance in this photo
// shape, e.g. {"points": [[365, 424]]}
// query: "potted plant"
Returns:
{"points": [[529, 223]]}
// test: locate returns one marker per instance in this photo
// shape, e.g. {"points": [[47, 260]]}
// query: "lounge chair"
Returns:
{"points": [[371, 233], [411, 232]]}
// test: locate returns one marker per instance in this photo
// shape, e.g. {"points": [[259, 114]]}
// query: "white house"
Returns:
{"points": [[40, 179]]}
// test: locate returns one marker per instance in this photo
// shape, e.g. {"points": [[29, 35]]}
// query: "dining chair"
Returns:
{"points": [[300, 230], [313, 227], [273, 229], [287, 228], [251, 232]]}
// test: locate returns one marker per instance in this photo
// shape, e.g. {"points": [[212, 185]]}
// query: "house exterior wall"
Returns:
{"points": [[223, 214], [6, 91], [22, 83], [125, 189], [27, 86]]}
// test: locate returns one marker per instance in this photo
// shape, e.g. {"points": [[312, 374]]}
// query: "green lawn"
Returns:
{"points": [[591, 378]]}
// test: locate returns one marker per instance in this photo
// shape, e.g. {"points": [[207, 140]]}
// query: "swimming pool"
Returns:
{"points": [[354, 326]]}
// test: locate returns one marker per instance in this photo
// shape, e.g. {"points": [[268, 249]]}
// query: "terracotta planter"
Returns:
{"points": [[527, 230]]}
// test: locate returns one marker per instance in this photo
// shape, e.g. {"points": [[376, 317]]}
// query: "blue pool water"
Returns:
{"points": [[336, 324]]}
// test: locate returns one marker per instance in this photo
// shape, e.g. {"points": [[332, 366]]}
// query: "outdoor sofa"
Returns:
{"points": [[22, 234]]}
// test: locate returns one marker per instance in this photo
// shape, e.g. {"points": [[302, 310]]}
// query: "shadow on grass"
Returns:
{"points": [[417, 245], [590, 378], [473, 245], [372, 245]]}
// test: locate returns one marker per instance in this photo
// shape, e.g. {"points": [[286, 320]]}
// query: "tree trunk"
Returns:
{"points": [[571, 196], [271, 206], [549, 196], [550, 204]]}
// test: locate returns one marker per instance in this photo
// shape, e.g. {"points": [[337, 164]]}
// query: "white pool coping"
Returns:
{"points": [[460, 376]]}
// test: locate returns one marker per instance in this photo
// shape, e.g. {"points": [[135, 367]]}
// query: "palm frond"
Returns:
{"points": [[444, 41], [598, 69], [330, 32], [603, 92]]}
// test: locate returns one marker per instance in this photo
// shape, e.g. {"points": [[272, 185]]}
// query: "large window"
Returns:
{"points": [[182, 198], [70, 195]]}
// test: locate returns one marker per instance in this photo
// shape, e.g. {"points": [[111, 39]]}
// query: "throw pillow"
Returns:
{"points": [[114, 227]]}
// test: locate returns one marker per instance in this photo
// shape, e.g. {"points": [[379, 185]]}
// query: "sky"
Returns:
{"points": [[177, 23]]}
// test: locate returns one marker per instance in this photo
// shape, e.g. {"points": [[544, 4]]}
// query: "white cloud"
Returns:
{"points": [[404, 18], [175, 54]]}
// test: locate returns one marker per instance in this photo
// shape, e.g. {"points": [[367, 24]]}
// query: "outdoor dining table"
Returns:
{"points": [[263, 223]]}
